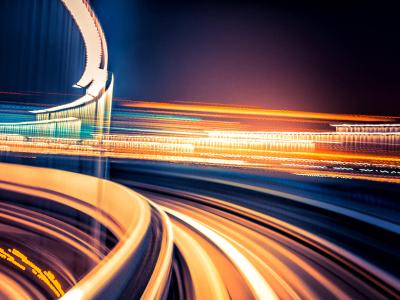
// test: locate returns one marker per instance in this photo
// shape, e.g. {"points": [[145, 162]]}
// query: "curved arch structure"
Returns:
{"points": [[94, 108]]}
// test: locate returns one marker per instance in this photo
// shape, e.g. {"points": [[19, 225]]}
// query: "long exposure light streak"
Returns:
{"points": [[94, 199], [192, 200], [259, 286], [21, 261], [333, 153], [253, 111]]}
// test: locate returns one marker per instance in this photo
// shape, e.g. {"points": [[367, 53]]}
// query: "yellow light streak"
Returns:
{"points": [[18, 259]]}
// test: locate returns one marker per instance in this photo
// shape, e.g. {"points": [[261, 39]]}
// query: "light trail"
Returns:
{"points": [[251, 111], [46, 276], [205, 287], [225, 250], [11, 289], [389, 226], [198, 235], [128, 219], [150, 134], [292, 152], [245, 239], [258, 285], [157, 285]]}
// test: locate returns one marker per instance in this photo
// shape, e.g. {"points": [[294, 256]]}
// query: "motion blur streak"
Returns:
{"points": [[128, 218], [225, 236], [259, 286], [157, 286], [232, 220], [318, 148], [10, 289], [253, 111], [297, 263], [20, 260], [329, 207], [244, 235], [204, 287]]}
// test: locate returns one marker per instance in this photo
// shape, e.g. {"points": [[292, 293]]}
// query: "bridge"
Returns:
{"points": [[90, 113]]}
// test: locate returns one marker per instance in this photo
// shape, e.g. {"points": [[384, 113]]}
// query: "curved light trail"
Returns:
{"points": [[191, 233], [179, 239], [296, 263], [259, 287], [112, 212]]}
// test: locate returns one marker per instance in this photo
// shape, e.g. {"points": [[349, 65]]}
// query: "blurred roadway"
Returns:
{"points": [[246, 234], [308, 239]]}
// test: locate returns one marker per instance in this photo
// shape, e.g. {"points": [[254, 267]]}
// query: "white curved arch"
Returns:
{"points": [[95, 75], [94, 108]]}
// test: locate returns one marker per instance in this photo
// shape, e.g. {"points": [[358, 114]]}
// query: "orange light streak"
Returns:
{"points": [[253, 111]]}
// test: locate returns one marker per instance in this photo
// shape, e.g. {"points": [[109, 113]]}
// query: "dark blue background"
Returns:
{"points": [[335, 56]]}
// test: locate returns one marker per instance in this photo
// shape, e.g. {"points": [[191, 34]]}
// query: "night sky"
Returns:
{"points": [[331, 56], [40, 49]]}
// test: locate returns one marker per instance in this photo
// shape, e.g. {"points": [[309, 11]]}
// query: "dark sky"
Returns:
{"points": [[334, 56], [331, 56], [40, 46]]}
